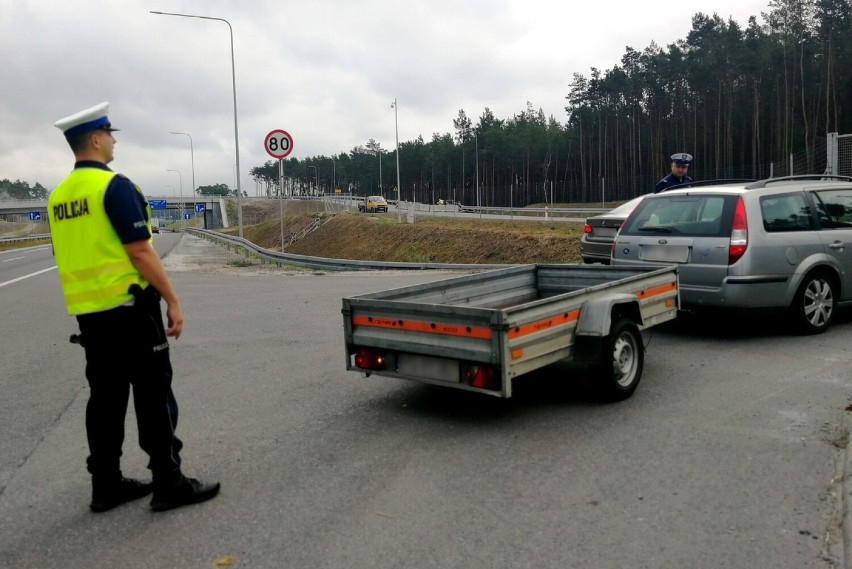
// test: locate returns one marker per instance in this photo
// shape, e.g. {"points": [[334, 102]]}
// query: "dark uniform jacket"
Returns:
{"points": [[670, 180]]}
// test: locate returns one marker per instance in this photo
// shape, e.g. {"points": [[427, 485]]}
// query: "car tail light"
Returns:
{"points": [[739, 233], [587, 228], [369, 359], [481, 376]]}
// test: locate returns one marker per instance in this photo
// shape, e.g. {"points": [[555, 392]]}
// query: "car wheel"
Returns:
{"points": [[813, 306], [622, 361]]}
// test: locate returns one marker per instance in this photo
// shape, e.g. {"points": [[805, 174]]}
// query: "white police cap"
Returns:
{"points": [[92, 118], [681, 158]]}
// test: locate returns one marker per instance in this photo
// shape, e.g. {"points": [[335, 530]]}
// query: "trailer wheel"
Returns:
{"points": [[622, 361]]}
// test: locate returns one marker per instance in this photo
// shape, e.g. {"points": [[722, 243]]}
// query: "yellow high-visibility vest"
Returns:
{"points": [[94, 269]]}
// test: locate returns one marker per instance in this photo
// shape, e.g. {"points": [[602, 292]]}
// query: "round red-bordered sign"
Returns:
{"points": [[278, 143]]}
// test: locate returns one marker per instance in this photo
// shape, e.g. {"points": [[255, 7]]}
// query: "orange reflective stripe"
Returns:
{"points": [[657, 290], [539, 325], [427, 327]]}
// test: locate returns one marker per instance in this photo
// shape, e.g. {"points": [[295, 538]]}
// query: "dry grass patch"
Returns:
{"points": [[430, 239]]}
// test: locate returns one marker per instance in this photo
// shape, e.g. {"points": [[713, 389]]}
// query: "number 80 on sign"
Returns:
{"points": [[278, 143]]}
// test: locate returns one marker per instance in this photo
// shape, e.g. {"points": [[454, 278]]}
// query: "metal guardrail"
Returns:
{"points": [[33, 237], [248, 248], [536, 211]]}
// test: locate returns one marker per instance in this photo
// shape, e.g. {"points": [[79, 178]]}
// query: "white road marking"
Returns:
{"points": [[27, 276]]}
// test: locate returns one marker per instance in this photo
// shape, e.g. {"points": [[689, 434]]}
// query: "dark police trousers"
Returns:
{"points": [[126, 347]]}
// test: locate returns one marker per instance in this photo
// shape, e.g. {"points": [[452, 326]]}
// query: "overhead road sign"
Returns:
{"points": [[35, 216], [157, 204], [199, 207]]}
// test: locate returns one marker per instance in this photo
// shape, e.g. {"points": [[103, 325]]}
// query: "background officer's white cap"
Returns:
{"points": [[93, 118], [681, 158]]}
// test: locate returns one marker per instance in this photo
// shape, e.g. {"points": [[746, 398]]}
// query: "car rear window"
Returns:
{"points": [[625, 208], [688, 215]]}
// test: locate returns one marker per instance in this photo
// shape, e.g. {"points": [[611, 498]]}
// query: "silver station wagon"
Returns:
{"points": [[781, 243]]}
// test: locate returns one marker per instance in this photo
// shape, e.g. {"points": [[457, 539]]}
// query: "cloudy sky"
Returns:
{"points": [[326, 71]]}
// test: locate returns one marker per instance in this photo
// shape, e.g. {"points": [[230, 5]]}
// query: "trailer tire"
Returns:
{"points": [[622, 361]]}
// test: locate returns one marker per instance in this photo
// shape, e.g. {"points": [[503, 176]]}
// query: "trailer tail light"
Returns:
{"points": [[739, 233], [483, 377], [369, 359]]}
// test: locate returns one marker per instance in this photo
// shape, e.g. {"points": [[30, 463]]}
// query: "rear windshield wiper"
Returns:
{"points": [[656, 228]]}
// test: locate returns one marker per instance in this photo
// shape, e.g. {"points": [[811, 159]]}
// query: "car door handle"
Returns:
{"points": [[836, 245]]}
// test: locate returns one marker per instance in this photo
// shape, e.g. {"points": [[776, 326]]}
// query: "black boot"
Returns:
{"points": [[184, 492], [107, 494]]}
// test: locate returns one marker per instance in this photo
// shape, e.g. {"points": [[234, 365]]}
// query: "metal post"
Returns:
{"points": [[281, 198], [180, 180], [192, 158], [831, 153], [478, 203], [395, 106], [234, 86]]}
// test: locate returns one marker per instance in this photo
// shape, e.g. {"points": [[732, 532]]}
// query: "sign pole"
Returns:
{"points": [[281, 198], [279, 144]]}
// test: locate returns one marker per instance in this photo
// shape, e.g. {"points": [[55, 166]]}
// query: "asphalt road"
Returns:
{"points": [[726, 456]]}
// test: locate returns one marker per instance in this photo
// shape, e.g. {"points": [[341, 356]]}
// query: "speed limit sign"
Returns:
{"points": [[278, 143]]}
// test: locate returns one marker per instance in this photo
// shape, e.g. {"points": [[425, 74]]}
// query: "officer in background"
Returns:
{"points": [[112, 280], [680, 165]]}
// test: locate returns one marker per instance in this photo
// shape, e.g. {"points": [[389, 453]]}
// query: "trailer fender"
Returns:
{"points": [[596, 319]]}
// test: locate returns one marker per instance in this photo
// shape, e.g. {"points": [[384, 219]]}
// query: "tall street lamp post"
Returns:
{"points": [[334, 181], [478, 204], [234, 86], [476, 155], [192, 157], [180, 181], [395, 107]]}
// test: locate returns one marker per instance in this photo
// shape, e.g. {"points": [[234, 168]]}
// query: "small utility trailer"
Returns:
{"points": [[481, 331]]}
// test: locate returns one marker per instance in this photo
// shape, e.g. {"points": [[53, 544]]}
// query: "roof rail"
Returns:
{"points": [[763, 183], [708, 183]]}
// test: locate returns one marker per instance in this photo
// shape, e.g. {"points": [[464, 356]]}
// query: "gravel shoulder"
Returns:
{"points": [[200, 255]]}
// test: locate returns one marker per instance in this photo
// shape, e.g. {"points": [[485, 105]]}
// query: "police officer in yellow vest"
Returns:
{"points": [[113, 280]]}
